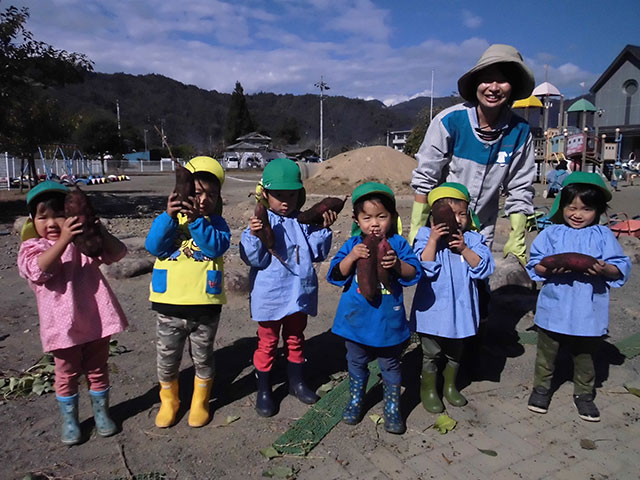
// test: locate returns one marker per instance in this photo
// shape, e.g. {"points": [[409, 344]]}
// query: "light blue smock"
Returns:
{"points": [[575, 303], [382, 323], [278, 290], [445, 303]]}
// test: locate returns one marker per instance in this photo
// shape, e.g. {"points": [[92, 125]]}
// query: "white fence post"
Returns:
{"points": [[6, 162]]}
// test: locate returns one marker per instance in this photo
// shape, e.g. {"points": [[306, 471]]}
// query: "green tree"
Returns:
{"points": [[290, 131], [238, 118], [416, 137], [97, 137], [27, 118]]}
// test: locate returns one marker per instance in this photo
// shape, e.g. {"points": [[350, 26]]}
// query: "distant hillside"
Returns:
{"points": [[194, 116]]}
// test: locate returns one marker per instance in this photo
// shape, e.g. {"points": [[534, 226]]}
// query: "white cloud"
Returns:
{"points": [[280, 46], [470, 20]]}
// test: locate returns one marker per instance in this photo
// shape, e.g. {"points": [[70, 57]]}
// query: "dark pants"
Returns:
{"points": [[359, 356], [433, 347], [582, 350]]}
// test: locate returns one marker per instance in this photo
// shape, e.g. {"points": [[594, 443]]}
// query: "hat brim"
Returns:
{"points": [[521, 86]]}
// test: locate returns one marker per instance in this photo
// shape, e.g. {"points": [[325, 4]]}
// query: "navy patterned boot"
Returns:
{"points": [[352, 413], [393, 422]]}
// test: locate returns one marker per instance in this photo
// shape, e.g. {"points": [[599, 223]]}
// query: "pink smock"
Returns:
{"points": [[75, 303]]}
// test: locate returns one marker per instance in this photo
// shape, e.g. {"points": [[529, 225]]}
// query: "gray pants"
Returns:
{"points": [[172, 333], [433, 347]]}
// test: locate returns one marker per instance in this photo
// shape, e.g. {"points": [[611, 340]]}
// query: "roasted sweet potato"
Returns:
{"points": [[314, 214], [384, 275], [185, 186], [77, 204], [576, 262], [367, 269], [265, 234], [442, 213]]}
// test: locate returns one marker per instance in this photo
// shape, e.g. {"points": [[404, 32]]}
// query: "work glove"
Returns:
{"points": [[419, 214], [516, 242]]}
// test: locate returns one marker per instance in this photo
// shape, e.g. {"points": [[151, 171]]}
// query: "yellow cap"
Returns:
{"points": [[206, 164]]}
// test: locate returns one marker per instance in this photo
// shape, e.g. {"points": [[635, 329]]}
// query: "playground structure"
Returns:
{"points": [[63, 163], [581, 147]]}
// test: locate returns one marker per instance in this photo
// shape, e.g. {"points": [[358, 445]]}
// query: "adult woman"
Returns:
{"points": [[483, 145]]}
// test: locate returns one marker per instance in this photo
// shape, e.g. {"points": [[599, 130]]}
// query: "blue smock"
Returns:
{"points": [[446, 300], [576, 303], [382, 323], [278, 290]]}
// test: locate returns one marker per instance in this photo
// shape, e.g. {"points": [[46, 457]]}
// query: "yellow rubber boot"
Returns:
{"points": [[199, 413], [169, 404]]}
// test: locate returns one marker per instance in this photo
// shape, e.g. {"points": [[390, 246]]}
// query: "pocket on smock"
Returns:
{"points": [[214, 282], [159, 280]]}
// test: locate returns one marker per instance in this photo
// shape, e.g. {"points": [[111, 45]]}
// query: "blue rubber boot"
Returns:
{"points": [[70, 425], [352, 413], [393, 422], [100, 403]]}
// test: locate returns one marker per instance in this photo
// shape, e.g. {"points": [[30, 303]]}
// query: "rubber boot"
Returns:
{"points": [[169, 404], [265, 406], [352, 413], [393, 422], [297, 386], [429, 394], [199, 412], [449, 390], [70, 425], [100, 403]]}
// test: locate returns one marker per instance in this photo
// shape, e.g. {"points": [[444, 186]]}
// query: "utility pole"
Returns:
{"points": [[431, 109], [118, 115], [322, 86]]}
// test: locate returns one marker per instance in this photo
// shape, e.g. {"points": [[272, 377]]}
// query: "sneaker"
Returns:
{"points": [[539, 400], [587, 410]]}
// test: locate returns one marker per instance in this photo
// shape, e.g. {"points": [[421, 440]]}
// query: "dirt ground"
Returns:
{"points": [[30, 442]]}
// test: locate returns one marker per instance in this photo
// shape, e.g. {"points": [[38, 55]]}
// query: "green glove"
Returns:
{"points": [[516, 242], [419, 214]]}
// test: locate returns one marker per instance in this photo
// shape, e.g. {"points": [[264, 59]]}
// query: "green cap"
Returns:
{"points": [[282, 174], [369, 188], [46, 187], [555, 215]]}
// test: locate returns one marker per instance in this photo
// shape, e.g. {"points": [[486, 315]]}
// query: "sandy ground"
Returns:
{"points": [[30, 439]]}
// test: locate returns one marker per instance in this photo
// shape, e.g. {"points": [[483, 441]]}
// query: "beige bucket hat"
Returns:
{"points": [[521, 78]]}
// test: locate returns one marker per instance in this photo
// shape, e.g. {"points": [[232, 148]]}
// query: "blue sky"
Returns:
{"points": [[371, 49]]}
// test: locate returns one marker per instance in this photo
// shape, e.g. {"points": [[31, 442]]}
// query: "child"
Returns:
{"points": [[573, 308], [283, 294], [378, 328], [187, 289], [445, 307], [76, 334]]}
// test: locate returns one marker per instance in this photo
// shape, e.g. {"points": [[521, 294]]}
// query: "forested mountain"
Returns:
{"points": [[193, 116]]}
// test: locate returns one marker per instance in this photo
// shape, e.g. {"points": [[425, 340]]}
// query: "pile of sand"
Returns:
{"points": [[340, 174]]}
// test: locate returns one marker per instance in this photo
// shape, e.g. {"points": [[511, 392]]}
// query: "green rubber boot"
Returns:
{"points": [[429, 394], [450, 392]]}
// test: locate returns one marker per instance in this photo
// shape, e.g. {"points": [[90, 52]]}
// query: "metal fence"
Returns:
{"points": [[90, 168]]}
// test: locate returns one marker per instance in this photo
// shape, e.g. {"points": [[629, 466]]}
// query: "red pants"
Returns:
{"points": [[268, 333], [89, 358]]}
